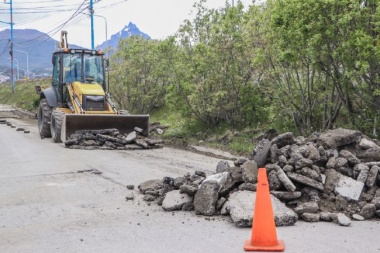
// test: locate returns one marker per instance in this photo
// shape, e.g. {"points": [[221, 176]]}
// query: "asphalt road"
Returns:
{"points": [[48, 204]]}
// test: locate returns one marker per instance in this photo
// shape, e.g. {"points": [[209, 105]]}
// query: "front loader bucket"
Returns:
{"points": [[124, 123]]}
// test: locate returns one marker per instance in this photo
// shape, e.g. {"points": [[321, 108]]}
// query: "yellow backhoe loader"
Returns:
{"points": [[78, 97]]}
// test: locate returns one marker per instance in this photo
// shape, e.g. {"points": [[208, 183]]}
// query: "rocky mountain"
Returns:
{"points": [[129, 30]]}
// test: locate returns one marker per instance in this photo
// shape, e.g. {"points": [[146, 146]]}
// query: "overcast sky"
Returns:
{"points": [[157, 18]]}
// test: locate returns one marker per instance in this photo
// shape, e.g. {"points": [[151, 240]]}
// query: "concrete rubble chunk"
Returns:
{"points": [[220, 179], [247, 187], [303, 162], [310, 217], [141, 143], [368, 211], [357, 217], [236, 174], [174, 200], [326, 216], [283, 139], [332, 178], [286, 196], [240, 208], [313, 152], [363, 175], [372, 176], [149, 185], [341, 219], [274, 181], [131, 137], [372, 154], [331, 163], [307, 207], [349, 188], [220, 203], [305, 180], [222, 166], [260, 152], [188, 189], [206, 197], [366, 144], [310, 173], [351, 158], [338, 137], [249, 171], [178, 181], [286, 182], [274, 153], [240, 161], [376, 199]]}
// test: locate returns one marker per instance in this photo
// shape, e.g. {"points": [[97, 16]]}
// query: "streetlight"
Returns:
{"points": [[27, 61], [105, 20]]}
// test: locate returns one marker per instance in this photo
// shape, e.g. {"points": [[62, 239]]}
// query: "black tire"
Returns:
{"points": [[56, 125], [44, 114]]}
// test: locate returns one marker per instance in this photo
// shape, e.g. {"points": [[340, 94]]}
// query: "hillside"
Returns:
{"points": [[31, 44]]}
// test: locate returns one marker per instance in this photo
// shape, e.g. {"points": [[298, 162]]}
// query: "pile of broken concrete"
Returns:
{"points": [[331, 176], [110, 139]]}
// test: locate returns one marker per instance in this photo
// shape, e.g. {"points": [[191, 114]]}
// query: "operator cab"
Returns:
{"points": [[76, 65]]}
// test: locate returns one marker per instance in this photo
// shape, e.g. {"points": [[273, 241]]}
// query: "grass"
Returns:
{"points": [[193, 132], [24, 95]]}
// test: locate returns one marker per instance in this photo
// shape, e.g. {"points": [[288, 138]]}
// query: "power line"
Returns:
{"points": [[56, 29]]}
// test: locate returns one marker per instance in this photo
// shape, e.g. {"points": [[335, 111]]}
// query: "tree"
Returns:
{"points": [[215, 68], [140, 73]]}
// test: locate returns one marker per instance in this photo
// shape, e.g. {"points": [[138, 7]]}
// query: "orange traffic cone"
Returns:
{"points": [[264, 236]]}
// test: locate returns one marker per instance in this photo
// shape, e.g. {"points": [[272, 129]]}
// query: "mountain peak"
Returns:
{"points": [[130, 26], [129, 30]]}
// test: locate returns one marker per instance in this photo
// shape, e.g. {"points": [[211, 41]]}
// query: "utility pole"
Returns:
{"points": [[92, 23], [11, 40]]}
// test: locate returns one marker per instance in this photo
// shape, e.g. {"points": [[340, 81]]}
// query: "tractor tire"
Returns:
{"points": [[44, 114], [56, 125]]}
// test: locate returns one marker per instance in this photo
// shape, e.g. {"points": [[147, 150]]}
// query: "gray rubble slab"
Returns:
{"points": [[310, 217], [174, 200], [206, 197], [341, 219], [363, 175], [283, 139], [261, 151], [305, 180], [307, 207], [288, 184], [368, 211], [286, 195], [241, 206], [149, 185], [249, 171], [222, 166], [349, 188], [332, 178], [376, 199], [219, 178], [372, 176], [338, 137], [357, 217]]}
